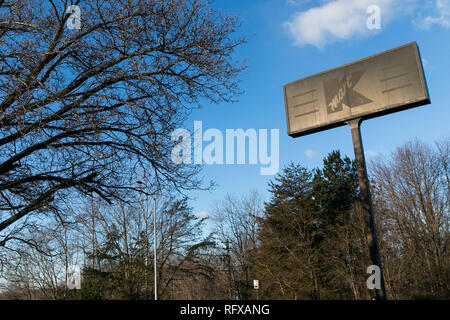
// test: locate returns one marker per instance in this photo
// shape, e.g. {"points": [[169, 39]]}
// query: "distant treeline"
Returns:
{"points": [[306, 242]]}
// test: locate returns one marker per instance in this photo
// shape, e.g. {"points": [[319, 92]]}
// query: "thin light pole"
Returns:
{"points": [[140, 183], [145, 210]]}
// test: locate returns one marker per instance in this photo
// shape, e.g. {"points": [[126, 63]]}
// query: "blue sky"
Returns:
{"points": [[294, 39]]}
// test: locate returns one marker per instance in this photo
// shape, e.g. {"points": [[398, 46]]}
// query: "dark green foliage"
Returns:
{"points": [[335, 188], [301, 236], [96, 285]]}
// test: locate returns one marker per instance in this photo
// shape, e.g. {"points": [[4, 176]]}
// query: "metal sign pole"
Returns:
{"points": [[366, 200]]}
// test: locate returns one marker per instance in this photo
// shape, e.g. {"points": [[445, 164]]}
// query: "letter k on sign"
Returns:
{"points": [[338, 92]]}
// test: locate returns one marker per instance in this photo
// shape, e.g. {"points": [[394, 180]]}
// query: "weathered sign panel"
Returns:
{"points": [[384, 83]]}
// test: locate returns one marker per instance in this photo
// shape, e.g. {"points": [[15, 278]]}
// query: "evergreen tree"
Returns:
{"points": [[301, 235]]}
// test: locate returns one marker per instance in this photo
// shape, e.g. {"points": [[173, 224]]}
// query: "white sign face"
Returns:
{"points": [[256, 284], [384, 83]]}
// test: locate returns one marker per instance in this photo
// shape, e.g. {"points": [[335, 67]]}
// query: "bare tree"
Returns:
{"points": [[80, 110], [40, 272], [412, 192], [236, 221]]}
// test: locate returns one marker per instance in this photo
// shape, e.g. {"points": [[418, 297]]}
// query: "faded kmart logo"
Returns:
{"points": [[341, 91]]}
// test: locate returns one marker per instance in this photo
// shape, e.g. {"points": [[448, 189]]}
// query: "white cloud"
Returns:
{"points": [[340, 20], [441, 16], [297, 2], [370, 153], [201, 215], [311, 154]]}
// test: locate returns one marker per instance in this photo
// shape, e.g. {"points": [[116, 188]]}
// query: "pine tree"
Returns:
{"points": [[301, 234]]}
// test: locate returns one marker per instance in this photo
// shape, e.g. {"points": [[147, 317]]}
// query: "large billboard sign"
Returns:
{"points": [[384, 83]]}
